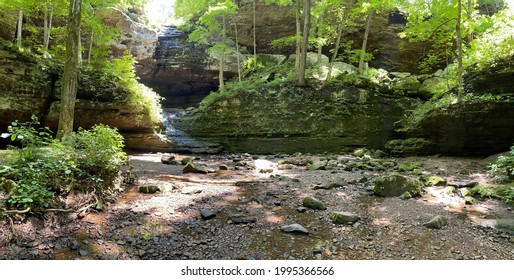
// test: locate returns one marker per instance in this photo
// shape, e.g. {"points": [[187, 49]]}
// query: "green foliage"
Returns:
{"points": [[87, 159], [503, 192], [411, 167], [28, 135], [504, 167], [495, 43]]}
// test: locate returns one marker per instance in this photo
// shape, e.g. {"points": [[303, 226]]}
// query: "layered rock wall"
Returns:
{"points": [[27, 89], [299, 120]]}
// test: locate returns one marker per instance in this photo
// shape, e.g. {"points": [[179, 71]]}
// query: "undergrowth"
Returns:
{"points": [[43, 167]]}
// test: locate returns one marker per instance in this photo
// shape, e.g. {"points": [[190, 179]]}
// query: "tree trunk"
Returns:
{"points": [[237, 55], [338, 41], [90, 47], [298, 36], [70, 75], [365, 41], [46, 33], [20, 28], [222, 57], [254, 38], [305, 41], [459, 51], [320, 45]]}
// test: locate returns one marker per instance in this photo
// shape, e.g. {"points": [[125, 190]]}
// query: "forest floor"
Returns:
{"points": [[251, 205]]}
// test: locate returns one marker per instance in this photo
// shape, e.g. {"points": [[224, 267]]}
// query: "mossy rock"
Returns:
{"points": [[388, 163], [406, 195], [313, 203], [411, 146], [320, 165], [361, 152], [437, 222], [333, 182], [149, 189], [409, 166], [186, 160], [469, 200], [197, 168], [435, 181], [396, 185], [450, 190], [344, 218]]}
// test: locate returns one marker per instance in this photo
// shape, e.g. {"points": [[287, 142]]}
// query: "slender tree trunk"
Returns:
{"points": [[469, 15], [70, 75], [222, 58], [79, 54], [305, 41], [365, 41], [20, 29], [338, 42], [46, 33], [90, 47], [237, 55], [459, 51], [320, 45], [298, 36], [254, 38]]}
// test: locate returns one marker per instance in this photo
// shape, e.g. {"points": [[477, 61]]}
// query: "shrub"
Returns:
{"points": [[87, 160], [504, 167]]}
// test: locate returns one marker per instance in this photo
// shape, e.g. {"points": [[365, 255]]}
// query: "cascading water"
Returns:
{"points": [[187, 144]]}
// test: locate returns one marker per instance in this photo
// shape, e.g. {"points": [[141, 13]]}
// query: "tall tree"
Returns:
{"points": [[70, 76], [459, 51], [365, 40], [254, 35], [213, 24], [347, 6], [19, 29], [305, 42]]}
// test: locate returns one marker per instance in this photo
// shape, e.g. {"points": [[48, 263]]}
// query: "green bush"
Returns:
{"points": [[98, 154], [504, 167], [88, 160]]}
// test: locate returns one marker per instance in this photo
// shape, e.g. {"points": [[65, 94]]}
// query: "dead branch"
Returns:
{"points": [[16, 211]]}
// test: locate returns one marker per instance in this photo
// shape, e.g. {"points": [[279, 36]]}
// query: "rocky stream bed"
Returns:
{"points": [[238, 210]]}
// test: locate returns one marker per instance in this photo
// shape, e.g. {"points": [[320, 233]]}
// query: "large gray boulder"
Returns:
{"points": [[396, 185]]}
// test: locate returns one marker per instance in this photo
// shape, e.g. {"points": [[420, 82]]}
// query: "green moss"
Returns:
{"points": [[396, 185], [409, 166], [313, 203], [410, 146], [503, 192]]}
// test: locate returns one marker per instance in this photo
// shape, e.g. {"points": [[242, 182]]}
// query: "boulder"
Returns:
{"points": [[294, 228], [149, 189], [437, 222], [333, 182], [207, 214], [344, 218], [313, 203], [168, 159], [396, 185], [434, 86], [242, 219], [198, 168], [320, 165]]}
